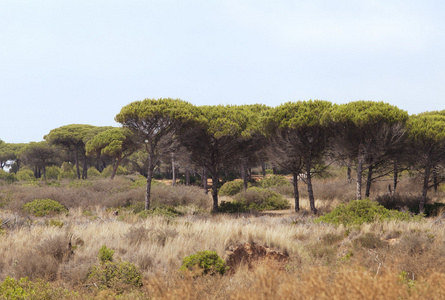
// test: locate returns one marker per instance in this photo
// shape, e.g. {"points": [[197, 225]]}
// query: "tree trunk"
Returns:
{"points": [[187, 176], [173, 171], [204, 181], [215, 180], [395, 180], [244, 176], [44, 172], [76, 160], [263, 169], [296, 193], [310, 191], [149, 178], [349, 174], [85, 167], [368, 182], [426, 179], [435, 181], [115, 166], [358, 192]]}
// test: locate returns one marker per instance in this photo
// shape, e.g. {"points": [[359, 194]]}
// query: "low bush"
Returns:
{"points": [[105, 254], [67, 170], [118, 275], [43, 207], [108, 170], [262, 199], [274, 181], [208, 262], [26, 289], [52, 172], [231, 188], [25, 175], [358, 212], [92, 172]]}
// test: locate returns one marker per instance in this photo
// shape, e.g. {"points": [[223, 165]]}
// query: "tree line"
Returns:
{"points": [[375, 139]]}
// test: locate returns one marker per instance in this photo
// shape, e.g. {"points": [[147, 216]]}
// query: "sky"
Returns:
{"points": [[81, 61]]}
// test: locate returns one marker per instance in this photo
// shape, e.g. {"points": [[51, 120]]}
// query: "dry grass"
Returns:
{"points": [[374, 261]]}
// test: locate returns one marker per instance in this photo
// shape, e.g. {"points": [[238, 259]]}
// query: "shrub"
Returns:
{"points": [[93, 172], [233, 207], [358, 212], [231, 188], [262, 199], [119, 275], [165, 211], [108, 170], [43, 207], [52, 172], [207, 261], [7, 176], [25, 175], [67, 170], [25, 289], [274, 180], [105, 254]]}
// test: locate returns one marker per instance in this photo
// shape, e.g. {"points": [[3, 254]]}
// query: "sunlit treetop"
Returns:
{"points": [[111, 142], [69, 135], [365, 113], [154, 113], [427, 127]]}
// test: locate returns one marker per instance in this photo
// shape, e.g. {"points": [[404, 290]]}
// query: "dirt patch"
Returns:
{"points": [[252, 254]]}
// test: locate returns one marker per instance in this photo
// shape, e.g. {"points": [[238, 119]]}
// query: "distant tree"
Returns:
{"points": [[366, 132], [39, 156], [427, 139], [215, 140], [116, 143], [73, 139], [9, 152], [154, 124], [298, 135]]}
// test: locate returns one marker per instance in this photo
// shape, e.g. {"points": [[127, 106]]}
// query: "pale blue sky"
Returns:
{"points": [[81, 61]]}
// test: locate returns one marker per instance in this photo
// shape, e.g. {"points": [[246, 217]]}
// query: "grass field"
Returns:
{"points": [[57, 252]]}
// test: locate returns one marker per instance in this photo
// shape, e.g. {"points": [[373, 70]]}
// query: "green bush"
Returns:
{"points": [[108, 170], [231, 188], [358, 212], [93, 172], [43, 207], [25, 175], [52, 172], [105, 254], [119, 275], [274, 180], [7, 176], [262, 199], [80, 183], [67, 170], [166, 211], [208, 261], [233, 207], [12, 289]]}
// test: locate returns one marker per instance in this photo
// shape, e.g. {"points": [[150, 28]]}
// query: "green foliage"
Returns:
{"points": [[53, 172], [358, 212], [120, 171], [43, 207], [25, 175], [105, 254], [7, 176], [262, 199], [207, 261], [119, 275], [80, 184], [55, 223], [365, 113], [231, 188], [427, 128], [254, 198], [67, 170], [164, 211], [274, 181], [93, 172], [233, 207], [12, 289]]}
